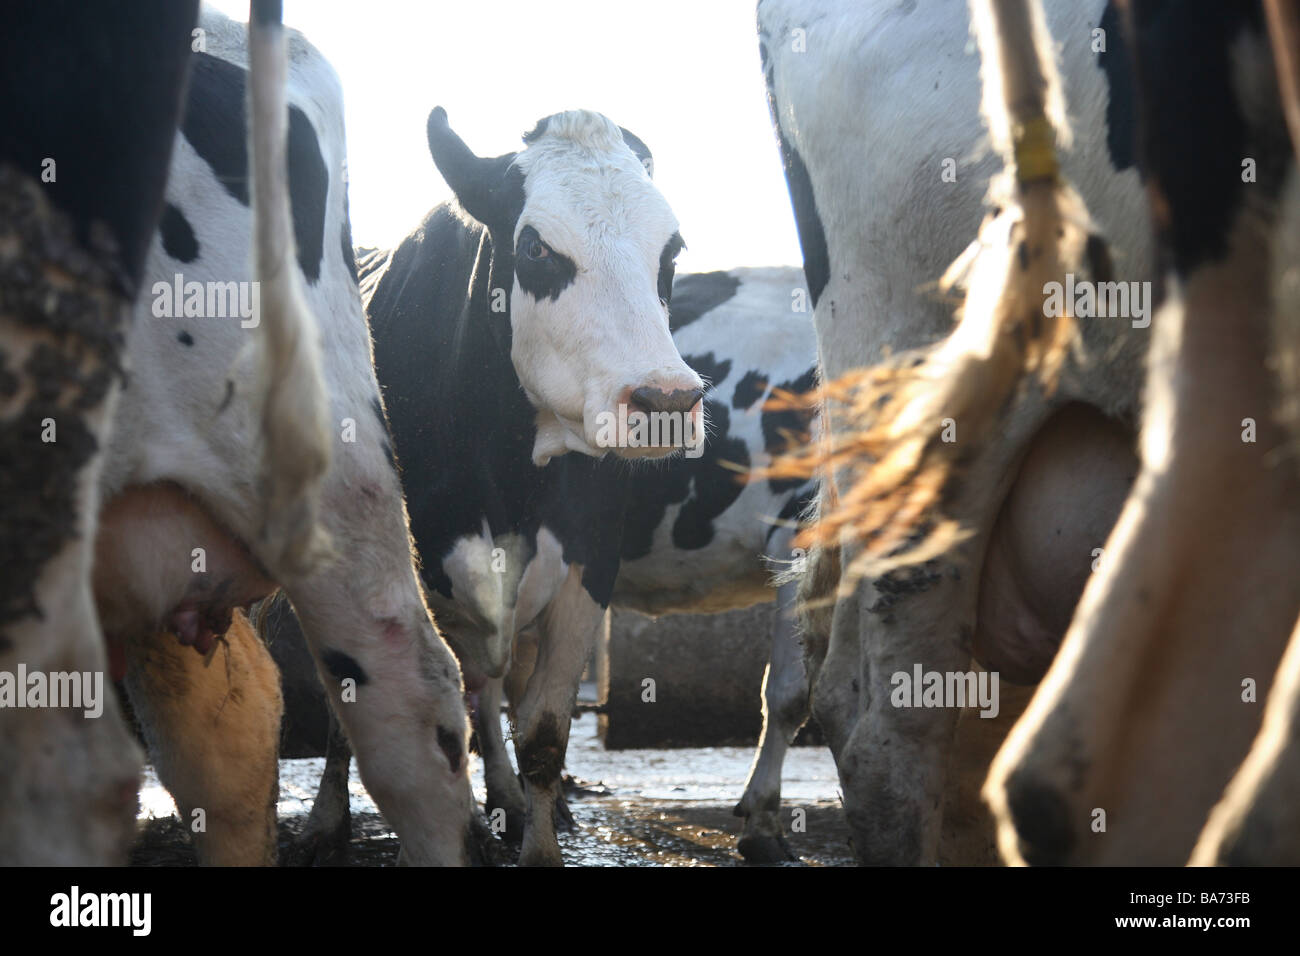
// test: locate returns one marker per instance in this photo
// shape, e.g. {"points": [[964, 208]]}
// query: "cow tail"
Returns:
{"points": [[295, 449], [900, 468]]}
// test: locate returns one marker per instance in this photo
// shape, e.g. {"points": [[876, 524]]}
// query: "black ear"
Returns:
{"points": [[491, 190], [642, 151]]}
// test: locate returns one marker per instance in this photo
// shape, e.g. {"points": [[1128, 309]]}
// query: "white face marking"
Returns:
{"points": [[580, 353]]}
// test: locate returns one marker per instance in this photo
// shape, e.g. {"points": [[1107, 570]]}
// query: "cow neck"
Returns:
{"points": [[580, 499], [462, 428]]}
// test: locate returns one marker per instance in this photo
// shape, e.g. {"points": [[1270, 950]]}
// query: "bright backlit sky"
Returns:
{"points": [[683, 75]]}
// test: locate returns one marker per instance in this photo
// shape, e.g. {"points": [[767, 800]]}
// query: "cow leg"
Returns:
{"points": [[329, 824], [785, 709], [396, 689], [515, 683], [69, 784], [504, 794], [969, 837], [1097, 771], [835, 697], [893, 764], [1257, 823], [567, 634], [213, 731], [1153, 699], [71, 252], [830, 645], [70, 263]]}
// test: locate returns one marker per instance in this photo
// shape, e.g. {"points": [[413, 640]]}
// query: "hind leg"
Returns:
{"points": [[213, 732]]}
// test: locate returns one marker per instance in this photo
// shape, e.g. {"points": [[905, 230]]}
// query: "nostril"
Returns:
{"points": [[657, 400], [451, 746], [1042, 820], [641, 400]]}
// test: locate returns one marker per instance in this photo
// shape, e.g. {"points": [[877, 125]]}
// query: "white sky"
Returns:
{"points": [[683, 75]]}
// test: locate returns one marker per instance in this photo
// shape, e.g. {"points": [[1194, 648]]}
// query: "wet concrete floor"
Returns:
{"points": [[631, 807]]}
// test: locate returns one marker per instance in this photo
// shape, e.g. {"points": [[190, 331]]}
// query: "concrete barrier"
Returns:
{"points": [[707, 673], [684, 680]]}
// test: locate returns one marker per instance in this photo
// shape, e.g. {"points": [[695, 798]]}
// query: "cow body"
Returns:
{"points": [[1158, 690], [183, 485], [693, 533], [694, 525], [80, 194], [877, 235]]}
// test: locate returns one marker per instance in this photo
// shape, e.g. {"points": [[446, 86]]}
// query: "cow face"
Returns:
{"points": [[591, 244]]}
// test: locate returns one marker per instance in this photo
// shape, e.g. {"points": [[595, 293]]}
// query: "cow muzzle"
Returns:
{"points": [[654, 420]]}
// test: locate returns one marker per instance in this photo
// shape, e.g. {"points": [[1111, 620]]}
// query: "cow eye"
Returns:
{"points": [[668, 266], [531, 246]]}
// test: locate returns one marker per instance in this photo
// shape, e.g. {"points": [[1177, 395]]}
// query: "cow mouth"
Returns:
{"points": [[633, 430], [625, 430]]}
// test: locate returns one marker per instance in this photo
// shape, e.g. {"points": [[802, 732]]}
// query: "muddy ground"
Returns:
{"points": [[631, 807]]}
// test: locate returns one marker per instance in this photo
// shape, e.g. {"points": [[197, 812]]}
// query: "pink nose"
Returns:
{"points": [[647, 399]]}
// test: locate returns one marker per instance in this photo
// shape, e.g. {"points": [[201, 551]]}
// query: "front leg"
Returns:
{"points": [[503, 791], [567, 635]]}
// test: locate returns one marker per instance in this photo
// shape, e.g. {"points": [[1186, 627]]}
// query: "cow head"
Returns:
{"points": [[592, 243]]}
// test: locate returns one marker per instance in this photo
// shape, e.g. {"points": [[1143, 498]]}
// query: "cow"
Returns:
{"points": [[80, 194], [212, 727], [876, 110], [754, 346], [183, 540], [694, 536], [698, 539], [1155, 697], [517, 324]]}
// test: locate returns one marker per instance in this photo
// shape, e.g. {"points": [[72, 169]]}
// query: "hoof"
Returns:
{"points": [[764, 848], [563, 815], [482, 848], [514, 823], [541, 858], [319, 847]]}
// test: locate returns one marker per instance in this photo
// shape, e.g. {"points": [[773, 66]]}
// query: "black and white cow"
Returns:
{"points": [[512, 532], [512, 326], [80, 193], [878, 116], [182, 540], [696, 537]]}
